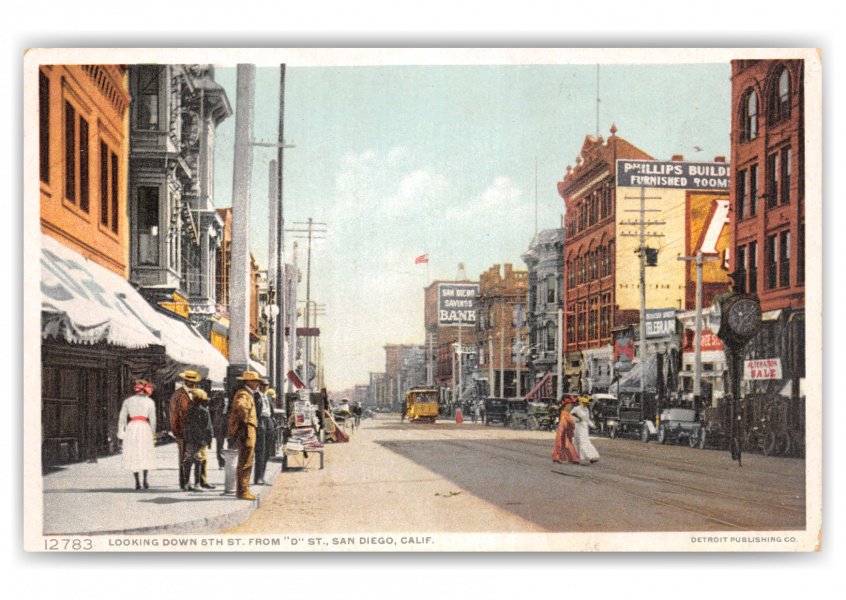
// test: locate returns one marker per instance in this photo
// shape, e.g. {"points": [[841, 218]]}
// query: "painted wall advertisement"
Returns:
{"points": [[660, 322], [673, 174], [457, 303]]}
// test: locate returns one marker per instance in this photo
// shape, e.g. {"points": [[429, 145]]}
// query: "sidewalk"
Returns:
{"points": [[100, 498]]}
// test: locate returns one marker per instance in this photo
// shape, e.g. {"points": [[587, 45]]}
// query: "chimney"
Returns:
{"points": [[678, 157], [721, 159]]}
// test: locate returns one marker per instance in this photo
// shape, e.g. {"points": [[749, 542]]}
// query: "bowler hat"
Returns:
{"points": [[249, 376], [190, 376]]}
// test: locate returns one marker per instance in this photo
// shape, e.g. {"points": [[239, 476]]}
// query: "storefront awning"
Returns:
{"points": [[84, 303]]}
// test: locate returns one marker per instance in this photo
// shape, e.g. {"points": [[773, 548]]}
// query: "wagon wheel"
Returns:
{"points": [[702, 438], [662, 434], [788, 446], [612, 432], [751, 442], [644, 434], [781, 443], [770, 443]]}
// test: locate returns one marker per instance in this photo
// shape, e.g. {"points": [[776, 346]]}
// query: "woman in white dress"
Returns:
{"points": [[581, 440], [136, 427]]}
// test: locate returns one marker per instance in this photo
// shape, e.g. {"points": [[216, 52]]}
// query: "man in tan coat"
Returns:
{"points": [[242, 427], [180, 402]]}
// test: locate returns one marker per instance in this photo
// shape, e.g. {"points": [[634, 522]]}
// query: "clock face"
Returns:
{"points": [[744, 317]]}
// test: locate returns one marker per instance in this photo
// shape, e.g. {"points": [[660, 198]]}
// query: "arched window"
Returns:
{"points": [[750, 116], [781, 97]]}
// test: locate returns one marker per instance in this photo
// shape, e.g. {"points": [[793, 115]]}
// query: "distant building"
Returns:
{"points": [[545, 260], [405, 367], [450, 315], [501, 330]]}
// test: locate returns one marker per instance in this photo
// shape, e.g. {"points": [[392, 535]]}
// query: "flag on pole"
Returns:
{"points": [[423, 259]]}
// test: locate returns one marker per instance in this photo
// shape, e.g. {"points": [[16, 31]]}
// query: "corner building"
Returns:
{"points": [[768, 228]]}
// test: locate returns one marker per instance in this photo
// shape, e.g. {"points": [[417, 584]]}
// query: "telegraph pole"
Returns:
{"points": [[314, 231], [239, 295], [559, 348], [643, 234], [697, 340]]}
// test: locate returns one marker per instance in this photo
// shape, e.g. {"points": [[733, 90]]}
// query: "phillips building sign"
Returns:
{"points": [[457, 303], [673, 174]]}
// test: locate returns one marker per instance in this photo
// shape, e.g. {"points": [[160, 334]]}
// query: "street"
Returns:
{"points": [[465, 478]]}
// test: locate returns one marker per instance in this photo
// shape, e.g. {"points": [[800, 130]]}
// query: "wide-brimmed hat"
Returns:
{"points": [[190, 376], [271, 392], [250, 376], [568, 400], [585, 399], [201, 395]]}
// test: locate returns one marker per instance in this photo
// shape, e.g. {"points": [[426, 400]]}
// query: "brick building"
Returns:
{"points": [[501, 330], [442, 334], [768, 208], [404, 369]]}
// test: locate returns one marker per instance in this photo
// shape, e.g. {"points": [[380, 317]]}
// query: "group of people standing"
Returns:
{"points": [[250, 427], [572, 441]]}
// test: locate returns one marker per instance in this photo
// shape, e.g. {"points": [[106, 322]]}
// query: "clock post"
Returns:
{"points": [[740, 320]]}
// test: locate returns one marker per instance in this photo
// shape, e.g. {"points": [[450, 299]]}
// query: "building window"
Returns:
{"points": [[771, 251], [750, 116], [571, 329], [70, 152], [781, 101], [104, 184], [753, 190], [148, 225], [44, 126], [148, 97], [115, 189], [784, 191], [76, 157], [742, 269], [784, 267], [582, 321], [752, 267], [605, 317], [742, 194], [593, 322], [550, 289], [800, 256], [550, 336], [772, 180]]}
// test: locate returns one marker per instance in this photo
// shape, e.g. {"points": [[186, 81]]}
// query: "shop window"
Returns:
{"points": [[44, 126]]}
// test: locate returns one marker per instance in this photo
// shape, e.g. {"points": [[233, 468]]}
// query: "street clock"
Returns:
{"points": [[740, 317]]}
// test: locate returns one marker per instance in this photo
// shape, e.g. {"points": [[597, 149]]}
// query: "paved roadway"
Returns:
{"points": [[448, 477]]}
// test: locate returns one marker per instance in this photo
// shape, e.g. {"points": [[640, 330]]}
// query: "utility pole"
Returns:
{"points": [[502, 348], [292, 280], [314, 231], [643, 223], [275, 285], [491, 389], [697, 340], [279, 218], [239, 295], [559, 349]]}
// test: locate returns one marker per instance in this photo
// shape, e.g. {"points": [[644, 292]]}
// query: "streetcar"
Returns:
{"points": [[421, 404]]}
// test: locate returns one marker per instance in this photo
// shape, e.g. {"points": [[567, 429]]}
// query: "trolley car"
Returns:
{"points": [[422, 405]]}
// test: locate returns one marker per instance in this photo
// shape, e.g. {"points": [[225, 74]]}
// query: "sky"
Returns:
{"points": [[450, 161]]}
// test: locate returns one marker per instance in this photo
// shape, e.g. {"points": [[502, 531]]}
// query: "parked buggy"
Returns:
{"points": [[628, 419], [677, 425], [604, 410]]}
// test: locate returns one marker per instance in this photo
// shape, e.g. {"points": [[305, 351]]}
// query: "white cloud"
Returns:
{"points": [[501, 199]]}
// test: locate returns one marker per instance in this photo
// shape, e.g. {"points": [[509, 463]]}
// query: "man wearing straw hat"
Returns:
{"points": [[180, 402], [242, 427], [264, 432]]}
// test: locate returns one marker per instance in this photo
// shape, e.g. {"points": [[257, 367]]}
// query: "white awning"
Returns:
{"points": [[85, 303]]}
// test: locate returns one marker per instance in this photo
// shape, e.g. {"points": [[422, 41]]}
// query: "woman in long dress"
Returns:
{"points": [[136, 427], [581, 437], [564, 449]]}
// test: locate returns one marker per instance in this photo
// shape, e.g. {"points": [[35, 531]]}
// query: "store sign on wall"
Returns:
{"points": [[673, 174], [767, 368]]}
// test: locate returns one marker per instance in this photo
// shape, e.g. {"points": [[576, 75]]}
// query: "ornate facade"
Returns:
{"points": [[175, 230]]}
